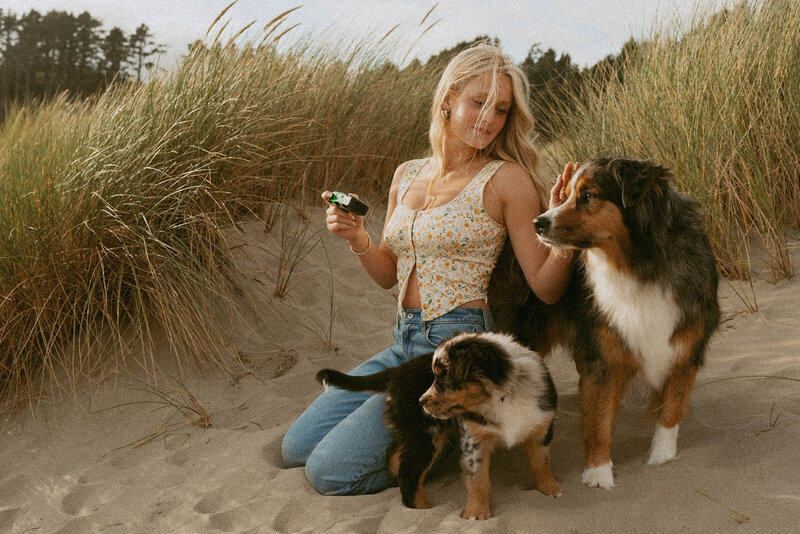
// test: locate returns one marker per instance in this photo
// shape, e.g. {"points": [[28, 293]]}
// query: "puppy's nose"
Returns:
{"points": [[541, 223]]}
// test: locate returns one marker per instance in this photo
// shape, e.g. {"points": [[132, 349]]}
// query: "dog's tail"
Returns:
{"points": [[376, 383]]}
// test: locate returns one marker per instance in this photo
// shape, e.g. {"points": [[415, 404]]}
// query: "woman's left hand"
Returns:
{"points": [[558, 194]]}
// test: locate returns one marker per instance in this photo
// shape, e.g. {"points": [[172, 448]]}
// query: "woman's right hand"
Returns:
{"points": [[345, 224]]}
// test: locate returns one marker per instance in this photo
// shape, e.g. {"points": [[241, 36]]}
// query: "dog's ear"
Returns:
{"points": [[643, 185], [460, 362], [639, 180], [478, 357]]}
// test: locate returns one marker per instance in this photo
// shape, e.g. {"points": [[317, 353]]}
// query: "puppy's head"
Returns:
{"points": [[466, 369], [607, 199]]}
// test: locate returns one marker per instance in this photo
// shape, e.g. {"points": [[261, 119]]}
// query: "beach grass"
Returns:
{"points": [[718, 101], [113, 210]]}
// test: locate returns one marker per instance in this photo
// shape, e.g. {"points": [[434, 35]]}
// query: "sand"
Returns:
{"points": [[70, 465]]}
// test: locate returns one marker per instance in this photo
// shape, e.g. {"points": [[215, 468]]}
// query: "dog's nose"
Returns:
{"points": [[541, 223]]}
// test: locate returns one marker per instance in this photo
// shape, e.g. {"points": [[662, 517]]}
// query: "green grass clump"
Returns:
{"points": [[112, 210], [718, 102]]}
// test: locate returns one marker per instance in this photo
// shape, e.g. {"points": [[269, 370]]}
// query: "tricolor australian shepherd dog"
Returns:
{"points": [[486, 390], [642, 300]]}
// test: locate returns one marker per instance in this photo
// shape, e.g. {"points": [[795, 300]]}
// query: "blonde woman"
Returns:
{"points": [[447, 220]]}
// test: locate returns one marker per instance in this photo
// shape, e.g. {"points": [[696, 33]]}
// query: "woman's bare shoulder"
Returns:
{"points": [[513, 179]]}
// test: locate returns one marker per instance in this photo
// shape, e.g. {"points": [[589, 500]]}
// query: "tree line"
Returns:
{"points": [[43, 55]]}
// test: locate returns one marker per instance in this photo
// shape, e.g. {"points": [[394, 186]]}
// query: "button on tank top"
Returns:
{"points": [[454, 246]]}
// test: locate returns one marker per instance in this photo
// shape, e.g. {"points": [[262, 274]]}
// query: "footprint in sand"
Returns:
{"points": [[294, 515], [80, 499], [219, 509], [8, 518], [286, 360], [179, 458], [210, 504]]}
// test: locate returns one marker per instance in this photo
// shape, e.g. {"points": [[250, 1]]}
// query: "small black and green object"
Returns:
{"points": [[348, 203]]}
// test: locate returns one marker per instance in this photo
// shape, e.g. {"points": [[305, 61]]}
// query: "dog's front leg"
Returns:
{"points": [[671, 406], [600, 390], [599, 402], [476, 451], [537, 449]]}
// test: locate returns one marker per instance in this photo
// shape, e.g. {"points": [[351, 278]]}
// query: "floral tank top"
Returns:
{"points": [[454, 246]]}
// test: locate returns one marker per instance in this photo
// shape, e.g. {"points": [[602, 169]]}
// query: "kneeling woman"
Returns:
{"points": [[447, 220]]}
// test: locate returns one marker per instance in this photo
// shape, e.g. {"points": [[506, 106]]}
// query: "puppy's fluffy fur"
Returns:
{"points": [[484, 388], [642, 301]]}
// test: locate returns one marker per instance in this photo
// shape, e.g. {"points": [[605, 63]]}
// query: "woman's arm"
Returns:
{"points": [[378, 261], [546, 270]]}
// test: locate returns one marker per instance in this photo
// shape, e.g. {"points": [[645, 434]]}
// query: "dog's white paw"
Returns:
{"points": [[599, 477], [664, 446]]}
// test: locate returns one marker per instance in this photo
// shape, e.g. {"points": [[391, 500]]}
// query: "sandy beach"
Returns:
{"points": [[72, 465]]}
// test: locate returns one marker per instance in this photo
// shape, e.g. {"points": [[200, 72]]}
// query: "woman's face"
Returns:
{"points": [[465, 107]]}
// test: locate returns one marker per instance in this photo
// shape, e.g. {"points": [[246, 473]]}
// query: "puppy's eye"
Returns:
{"points": [[587, 196]]}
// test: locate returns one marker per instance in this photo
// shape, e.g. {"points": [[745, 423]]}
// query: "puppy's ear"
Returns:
{"points": [[478, 358], [460, 363]]}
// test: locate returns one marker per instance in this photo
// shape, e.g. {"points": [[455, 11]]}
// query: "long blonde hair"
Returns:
{"points": [[514, 142]]}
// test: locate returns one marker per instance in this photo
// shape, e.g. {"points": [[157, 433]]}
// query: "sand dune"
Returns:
{"points": [[68, 466]]}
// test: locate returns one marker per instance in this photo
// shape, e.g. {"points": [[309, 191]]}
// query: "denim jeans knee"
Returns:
{"points": [[292, 449], [350, 460]]}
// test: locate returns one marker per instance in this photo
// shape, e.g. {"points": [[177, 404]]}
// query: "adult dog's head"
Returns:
{"points": [[467, 369], [608, 200]]}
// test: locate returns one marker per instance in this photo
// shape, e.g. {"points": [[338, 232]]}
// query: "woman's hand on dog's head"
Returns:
{"points": [[558, 194]]}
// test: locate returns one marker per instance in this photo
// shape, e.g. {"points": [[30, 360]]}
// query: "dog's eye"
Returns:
{"points": [[587, 196]]}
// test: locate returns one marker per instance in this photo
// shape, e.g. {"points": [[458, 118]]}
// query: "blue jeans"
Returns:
{"points": [[342, 437]]}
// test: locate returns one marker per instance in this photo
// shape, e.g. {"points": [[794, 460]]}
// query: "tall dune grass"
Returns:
{"points": [[719, 102], [111, 210]]}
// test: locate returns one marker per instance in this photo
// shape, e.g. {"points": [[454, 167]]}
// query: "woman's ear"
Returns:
{"points": [[446, 100]]}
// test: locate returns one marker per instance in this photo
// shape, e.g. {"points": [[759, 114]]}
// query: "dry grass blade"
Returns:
{"points": [[184, 403], [733, 514], [428, 14], [221, 14], [725, 379], [240, 32], [280, 17], [284, 32], [387, 34]]}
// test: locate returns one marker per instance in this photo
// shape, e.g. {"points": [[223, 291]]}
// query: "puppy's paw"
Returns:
{"points": [[550, 487], [664, 446], [473, 514], [599, 477]]}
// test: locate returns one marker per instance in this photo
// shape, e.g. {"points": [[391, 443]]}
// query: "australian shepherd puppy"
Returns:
{"points": [[642, 301], [485, 389]]}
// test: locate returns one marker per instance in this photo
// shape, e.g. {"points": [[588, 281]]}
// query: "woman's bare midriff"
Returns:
{"points": [[411, 300]]}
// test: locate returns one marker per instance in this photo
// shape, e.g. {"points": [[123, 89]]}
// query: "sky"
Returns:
{"points": [[586, 30]]}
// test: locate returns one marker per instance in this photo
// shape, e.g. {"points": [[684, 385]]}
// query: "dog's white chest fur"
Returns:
{"points": [[519, 416], [519, 411], [645, 315]]}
